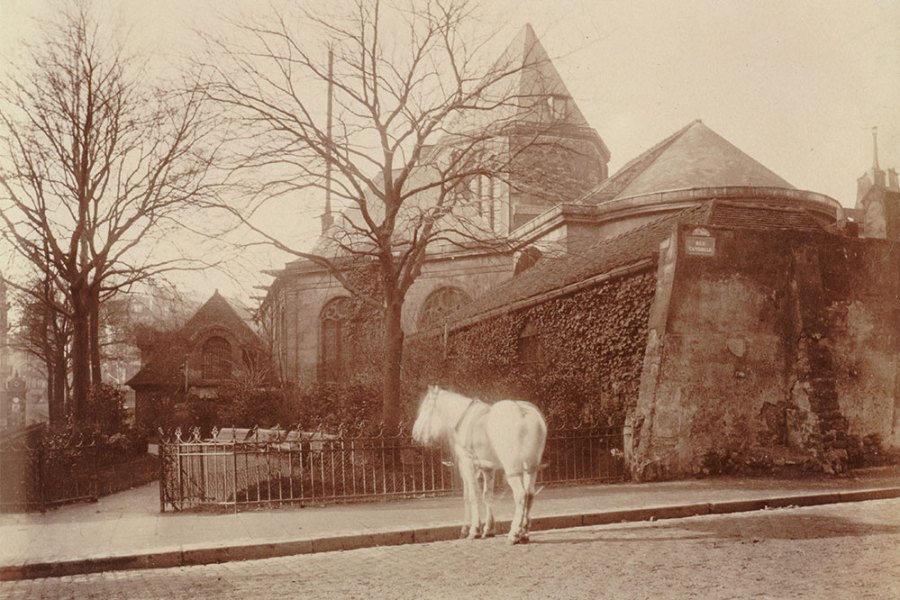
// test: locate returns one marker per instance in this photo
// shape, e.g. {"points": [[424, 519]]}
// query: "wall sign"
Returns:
{"points": [[700, 242]]}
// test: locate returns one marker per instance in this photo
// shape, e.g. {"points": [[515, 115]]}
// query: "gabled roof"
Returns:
{"points": [[164, 366], [218, 312], [693, 157]]}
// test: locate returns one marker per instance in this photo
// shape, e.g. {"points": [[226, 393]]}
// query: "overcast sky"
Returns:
{"points": [[797, 85]]}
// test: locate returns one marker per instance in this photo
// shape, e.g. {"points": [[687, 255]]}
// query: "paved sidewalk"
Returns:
{"points": [[127, 531]]}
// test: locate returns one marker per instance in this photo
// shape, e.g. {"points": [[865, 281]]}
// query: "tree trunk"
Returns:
{"points": [[56, 392], [94, 311], [393, 358], [53, 412], [81, 365]]}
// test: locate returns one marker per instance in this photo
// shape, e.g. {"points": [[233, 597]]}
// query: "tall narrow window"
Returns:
{"points": [[334, 340], [216, 358], [531, 351], [439, 304], [559, 107]]}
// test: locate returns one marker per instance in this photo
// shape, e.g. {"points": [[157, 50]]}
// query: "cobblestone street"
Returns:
{"points": [[832, 551]]}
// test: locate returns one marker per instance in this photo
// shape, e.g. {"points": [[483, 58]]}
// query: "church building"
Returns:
{"points": [[724, 317]]}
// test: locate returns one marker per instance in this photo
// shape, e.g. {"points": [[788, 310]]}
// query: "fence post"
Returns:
{"points": [[234, 490], [41, 477], [95, 465], [162, 475]]}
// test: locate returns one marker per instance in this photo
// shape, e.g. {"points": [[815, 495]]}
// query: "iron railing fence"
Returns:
{"points": [[39, 476], [251, 467]]}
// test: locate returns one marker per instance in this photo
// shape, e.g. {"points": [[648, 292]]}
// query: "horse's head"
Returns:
{"points": [[427, 427]]}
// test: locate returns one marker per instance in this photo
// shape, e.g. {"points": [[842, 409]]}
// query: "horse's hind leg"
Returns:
{"points": [[487, 496], [518, 490], [529, 479]]}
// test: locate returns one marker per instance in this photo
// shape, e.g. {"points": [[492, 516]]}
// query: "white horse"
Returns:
{"points": [[508, 435]]}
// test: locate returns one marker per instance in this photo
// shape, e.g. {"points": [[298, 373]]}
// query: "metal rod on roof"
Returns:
{"points": [[875, 148], [327, 219]]}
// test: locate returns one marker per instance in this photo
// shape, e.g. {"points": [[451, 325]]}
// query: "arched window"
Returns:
{"points": [[334, 340], [529, 257], [439, 304], [216, 358]]}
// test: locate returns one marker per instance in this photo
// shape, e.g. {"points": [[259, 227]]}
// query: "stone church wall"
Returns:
{"points": [[768, 349], [304, 295]]}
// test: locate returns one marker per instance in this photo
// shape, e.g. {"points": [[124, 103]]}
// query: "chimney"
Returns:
{"points": [[892, 183], [877, 173]]}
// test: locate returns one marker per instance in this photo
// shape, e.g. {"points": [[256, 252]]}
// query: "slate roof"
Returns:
{"points": [[749, 215], [531, 77], [164, 367], [693, 157]]}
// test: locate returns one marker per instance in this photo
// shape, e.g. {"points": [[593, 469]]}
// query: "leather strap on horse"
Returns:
{"points": [[462, 415]]}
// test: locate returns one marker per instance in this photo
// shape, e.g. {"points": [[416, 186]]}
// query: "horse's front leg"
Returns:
{"points": [[469, 528]]}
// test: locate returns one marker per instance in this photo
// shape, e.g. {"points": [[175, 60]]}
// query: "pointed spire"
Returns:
{"points": [[875, 148], [878, 176]]}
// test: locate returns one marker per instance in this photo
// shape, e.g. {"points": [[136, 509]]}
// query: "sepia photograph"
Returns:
{"points": [[449, 299]]}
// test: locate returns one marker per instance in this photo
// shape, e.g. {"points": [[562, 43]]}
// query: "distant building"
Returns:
{"points": [[216, 346], [878, 201]]}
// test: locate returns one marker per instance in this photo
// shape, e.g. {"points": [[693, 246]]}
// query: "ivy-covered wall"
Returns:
{"points": [[580, 356]]}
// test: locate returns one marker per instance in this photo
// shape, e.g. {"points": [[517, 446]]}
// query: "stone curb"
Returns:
{"points": [[204, 556]]}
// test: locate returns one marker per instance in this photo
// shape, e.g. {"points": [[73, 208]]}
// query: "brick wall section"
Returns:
{"points": [[782, 348]]}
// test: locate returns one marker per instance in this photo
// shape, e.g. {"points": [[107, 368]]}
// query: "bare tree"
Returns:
{"points": [[97, 165], [387, 113]]}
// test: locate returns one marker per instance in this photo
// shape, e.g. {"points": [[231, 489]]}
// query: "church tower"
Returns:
{"points": [[552, 154]]}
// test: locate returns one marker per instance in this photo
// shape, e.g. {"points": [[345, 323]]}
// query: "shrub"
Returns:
{"points": [[106, 409], [244, 406], [354, 406]]}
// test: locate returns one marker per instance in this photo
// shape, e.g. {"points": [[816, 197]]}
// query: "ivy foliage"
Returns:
{"points": [[592, 350]]}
